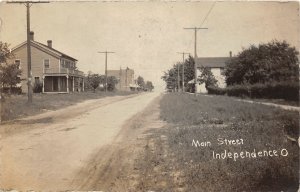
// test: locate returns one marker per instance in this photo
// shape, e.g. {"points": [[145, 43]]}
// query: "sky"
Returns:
{"points": [[146, 36]]}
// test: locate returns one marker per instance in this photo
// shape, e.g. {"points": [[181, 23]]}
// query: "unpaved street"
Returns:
{"points": [[55, 150]]}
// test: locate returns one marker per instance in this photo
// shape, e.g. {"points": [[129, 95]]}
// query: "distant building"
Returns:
{"points": [[53, 69], [125, 78], [216, 65]]}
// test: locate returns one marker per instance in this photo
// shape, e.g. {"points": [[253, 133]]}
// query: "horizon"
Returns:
{"points": [[146, 36]]}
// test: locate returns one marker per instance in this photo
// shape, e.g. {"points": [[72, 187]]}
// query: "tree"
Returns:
{"points": [[9, 72], [171, 76], [10, 75], [141, 82], [111, 83], [207, 77], [5, 53], [93, 81], [149, 86], [275, 61], [5, 56]]}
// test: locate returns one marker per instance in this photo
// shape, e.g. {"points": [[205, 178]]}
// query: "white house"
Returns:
{"points": [[216, 65]]}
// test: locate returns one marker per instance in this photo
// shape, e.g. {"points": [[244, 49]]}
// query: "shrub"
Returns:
{"points": [[216, 90], [38, 87], [278, 90], [238, 91], [12, 90]]}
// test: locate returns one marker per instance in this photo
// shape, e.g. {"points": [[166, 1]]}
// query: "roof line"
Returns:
{"points": [[45, 48]]}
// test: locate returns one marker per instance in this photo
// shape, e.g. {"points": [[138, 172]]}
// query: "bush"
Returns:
{"points": [[12, 90], [216, 90], [238, 91], [38, 87], [278, 90]]}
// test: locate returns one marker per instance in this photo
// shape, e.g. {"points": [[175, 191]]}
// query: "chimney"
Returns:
{"points": [[230, 54], [31, 35], [49, 42]]}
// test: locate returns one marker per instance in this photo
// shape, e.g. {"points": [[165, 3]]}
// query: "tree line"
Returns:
{"points": [[94, 81], [145, 86], [266, 70], [171, 76]]}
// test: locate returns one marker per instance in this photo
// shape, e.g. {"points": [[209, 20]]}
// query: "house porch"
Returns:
{"points": [[62, 84]]}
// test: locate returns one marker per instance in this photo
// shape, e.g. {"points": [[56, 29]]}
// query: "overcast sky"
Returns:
{"points": [[147, 35]]}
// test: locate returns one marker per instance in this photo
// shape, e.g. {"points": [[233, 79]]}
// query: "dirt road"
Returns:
{"points": [[59, 150]]}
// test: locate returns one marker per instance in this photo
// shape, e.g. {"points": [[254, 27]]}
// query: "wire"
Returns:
{"points": [[208, 13]]}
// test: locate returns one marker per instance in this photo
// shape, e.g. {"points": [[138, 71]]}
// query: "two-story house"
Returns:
{"points": [[54, 70], [216, 65]]}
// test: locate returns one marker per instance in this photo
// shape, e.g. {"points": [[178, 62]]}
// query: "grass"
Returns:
{"points": [[16, 106], [278, 101], [209, 118]]}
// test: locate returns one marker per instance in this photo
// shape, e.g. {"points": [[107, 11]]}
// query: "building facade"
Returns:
{"points": [[216, 65], [55, 71], [125, 78]]}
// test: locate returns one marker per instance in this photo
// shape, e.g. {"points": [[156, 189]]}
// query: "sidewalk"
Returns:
{"points": [[285, 107]]}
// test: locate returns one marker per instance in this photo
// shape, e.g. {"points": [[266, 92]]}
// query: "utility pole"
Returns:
{"points": [[178, 78], [183, 59], [28, 4], [195, 53], [105, 52]]}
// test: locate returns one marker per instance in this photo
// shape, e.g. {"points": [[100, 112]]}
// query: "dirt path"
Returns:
{"points": [[66, 147], [120, 165]]}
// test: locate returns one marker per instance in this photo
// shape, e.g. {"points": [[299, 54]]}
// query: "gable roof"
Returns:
{"points": [[45, 48], [212, 62]]}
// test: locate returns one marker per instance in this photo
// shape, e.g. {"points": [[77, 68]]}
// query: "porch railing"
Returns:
{"points": [[63, 71]]}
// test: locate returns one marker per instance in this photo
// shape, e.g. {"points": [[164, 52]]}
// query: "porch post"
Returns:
{"points": [[78, 85], [43, 84], [67, 83], [73, 83], [52, 83], [58, 82], [82, 84]]}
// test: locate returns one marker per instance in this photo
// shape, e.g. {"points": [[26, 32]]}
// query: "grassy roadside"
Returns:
{"points": [[278, 101], [16, 106], [214, 119]]}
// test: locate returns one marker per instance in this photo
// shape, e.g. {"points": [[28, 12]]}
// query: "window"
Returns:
{"points": [[67, 63], [46, 63], [37, 80], [62, 63], [18, 62]]}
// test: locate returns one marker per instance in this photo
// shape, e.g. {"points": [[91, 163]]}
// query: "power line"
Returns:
{"points": [[208, 13], [195, 49]]}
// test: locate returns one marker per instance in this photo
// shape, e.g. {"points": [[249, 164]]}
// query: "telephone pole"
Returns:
{"points": [[28, 4], [183, 59], [178, 78], [105, 52], [195, 53]]}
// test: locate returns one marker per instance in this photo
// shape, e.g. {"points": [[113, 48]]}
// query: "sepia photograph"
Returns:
{"points": [[149, 96]]}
